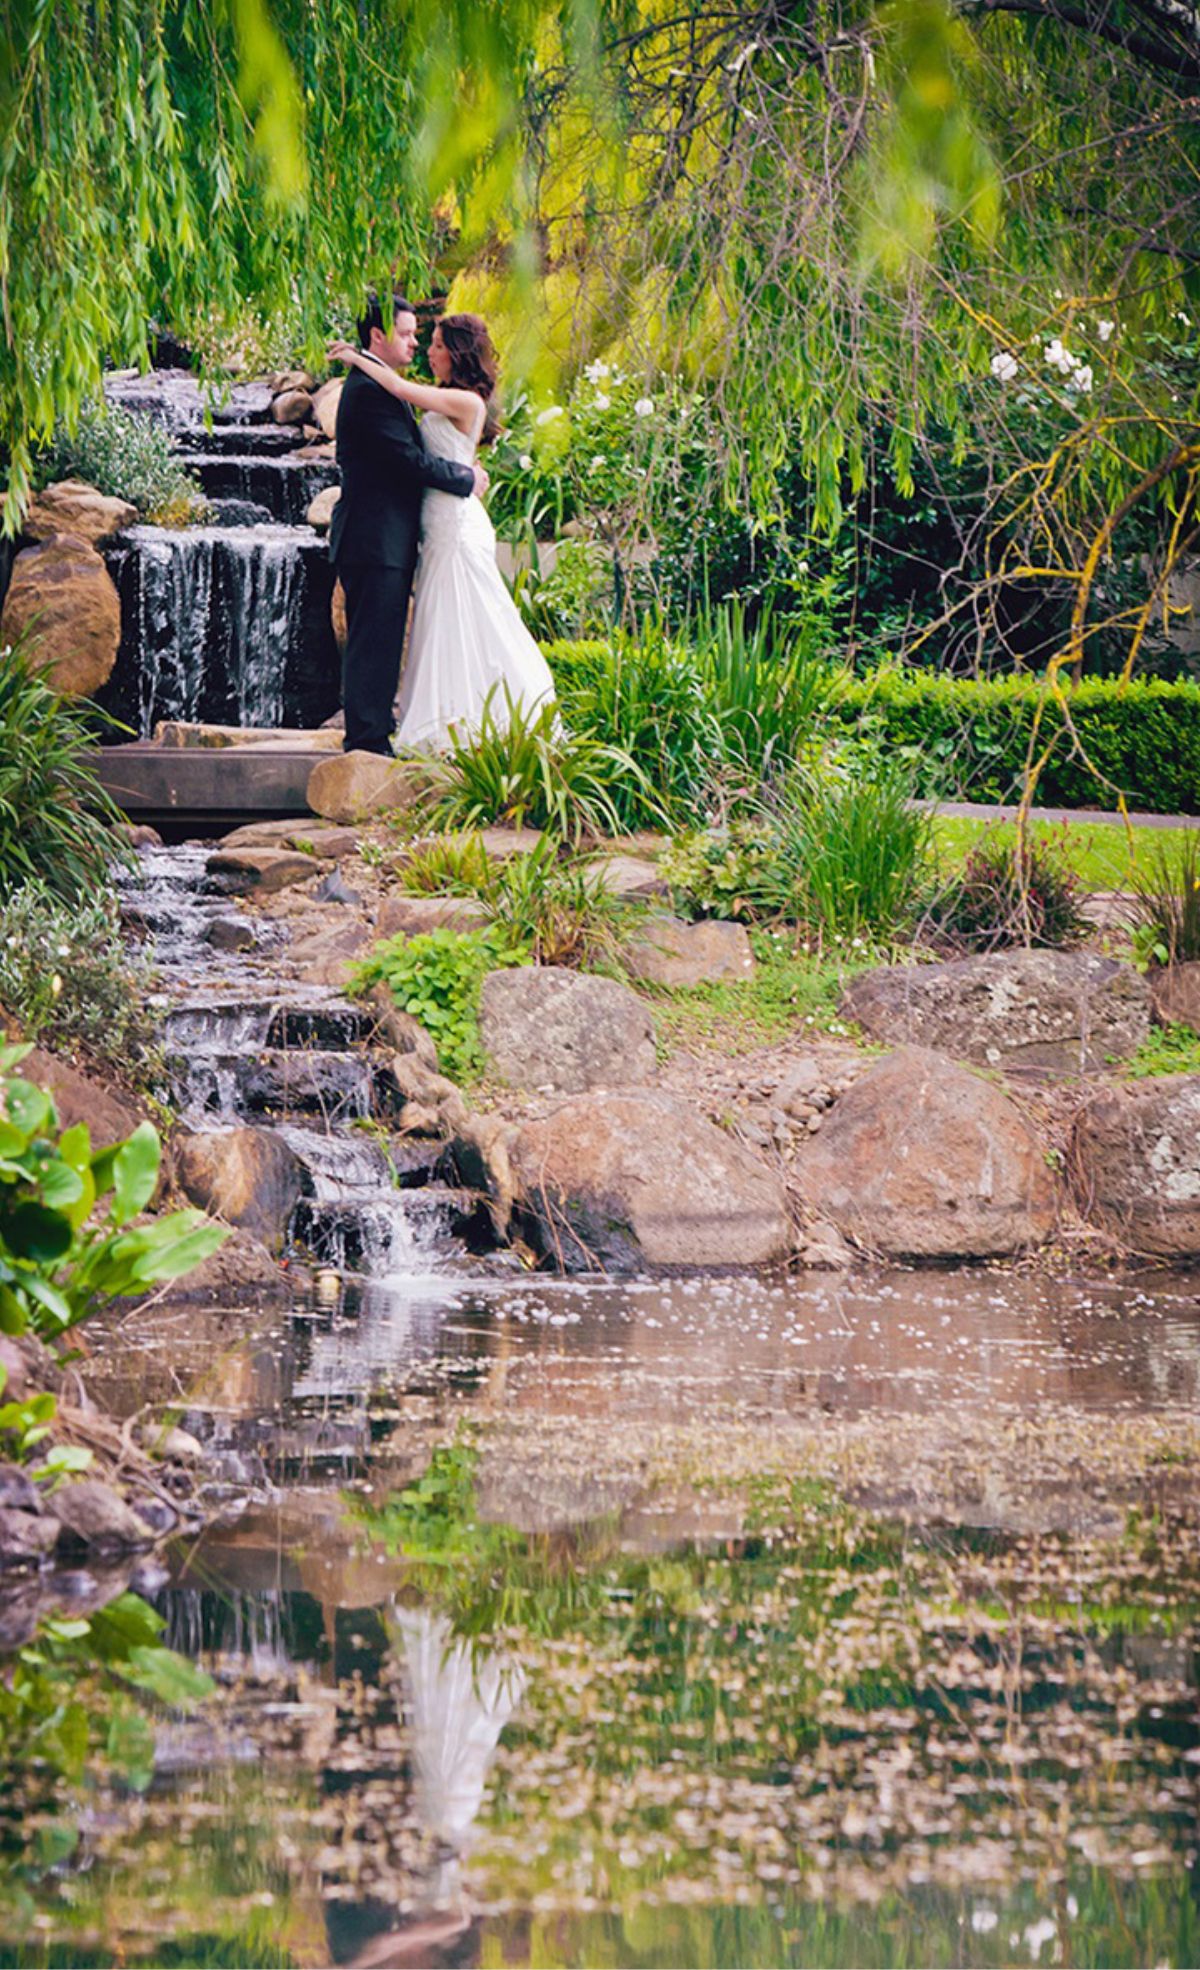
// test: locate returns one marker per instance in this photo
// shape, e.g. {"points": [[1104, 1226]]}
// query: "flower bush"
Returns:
{"points": [[127, 457]]}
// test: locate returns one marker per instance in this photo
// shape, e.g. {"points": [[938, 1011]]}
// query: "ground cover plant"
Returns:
{"points": [[791, 991], [1166, 1050], [436, 976], [79, 986]]}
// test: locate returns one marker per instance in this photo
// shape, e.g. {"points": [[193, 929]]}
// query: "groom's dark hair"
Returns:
{"points": [[372, 317]]}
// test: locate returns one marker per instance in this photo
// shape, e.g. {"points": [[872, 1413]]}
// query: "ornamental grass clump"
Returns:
{"points": [[852, 850], [57, 824], [525, 768], [1010, 895], [1166, 904]]}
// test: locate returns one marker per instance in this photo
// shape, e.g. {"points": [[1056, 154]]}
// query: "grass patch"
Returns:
{"points": [[789, 990], [1166, 1050], [1098, 851]]}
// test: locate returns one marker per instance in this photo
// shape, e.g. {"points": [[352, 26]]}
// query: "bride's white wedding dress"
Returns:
{"points": [[467, 638]]}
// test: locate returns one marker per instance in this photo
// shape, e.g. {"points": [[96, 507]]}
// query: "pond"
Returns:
{"points": [[671, 1623]]}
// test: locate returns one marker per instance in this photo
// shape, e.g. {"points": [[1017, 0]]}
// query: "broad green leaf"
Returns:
{"points": [[74, 1146], [188, 1251], [61, 1186], [33, 1232], [49, 1297], [169, 1677], [29, 1108], [135, 1173]]}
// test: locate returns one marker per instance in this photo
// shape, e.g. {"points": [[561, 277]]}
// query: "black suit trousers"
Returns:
{"points": [[376, 618]]}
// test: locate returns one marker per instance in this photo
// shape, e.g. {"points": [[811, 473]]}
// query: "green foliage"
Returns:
{"points": [[766, 693], [970, 739], [1005, 895], [1166, 902], [71, 973], [447, 865], [56, 821], [61, 1251], [574, 598], [852, 849], [523, 767], [791, 990], [1166, 1050], [559, 912], [729, 872], [127, 457], [436, 977], [643, 693]]}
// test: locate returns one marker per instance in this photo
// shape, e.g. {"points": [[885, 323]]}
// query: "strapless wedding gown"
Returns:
{"points": [[467, 637]]}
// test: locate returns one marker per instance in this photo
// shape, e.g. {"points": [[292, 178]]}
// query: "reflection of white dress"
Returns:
{"points": [[467, 637], [461, 1700]]}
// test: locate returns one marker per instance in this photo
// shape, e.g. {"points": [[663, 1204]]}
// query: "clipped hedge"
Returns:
{"points": [[972, 737]]}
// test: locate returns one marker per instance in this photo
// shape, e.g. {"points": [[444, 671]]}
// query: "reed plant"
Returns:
{"points": [[1166, 903], [853, 850], [58, 827]]}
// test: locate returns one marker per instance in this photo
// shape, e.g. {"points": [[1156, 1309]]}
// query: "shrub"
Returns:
{"points": [[525, 768], [969, 739], [765, 696], [127, 457], [61, 1253], [56, 821], [68, 970], [436, 977], [1166, 903], [1005, 896]]}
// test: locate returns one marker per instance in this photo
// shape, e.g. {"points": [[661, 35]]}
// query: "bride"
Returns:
{"points": [[468, 647]]}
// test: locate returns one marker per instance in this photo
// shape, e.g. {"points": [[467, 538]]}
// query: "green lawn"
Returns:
{"points": [[1099, 851]]}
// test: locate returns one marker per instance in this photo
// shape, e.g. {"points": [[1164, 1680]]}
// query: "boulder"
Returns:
{"points": [[671, 952], [246, 871], [481, 1153], [410, 916], [629, 875], [80, 1098], [499, 844], [92, 1514], [563, 1031], [230, 934], [1135, 1164], [320, 509], [291, 379], [353, 786], [1051, 1012], [325, 403], [292, 407], [63, 596], [624, 1180], [18, 1492], [25, 1537], [1175, 995], [922, 1159], [72, 507], [248, 1177]]}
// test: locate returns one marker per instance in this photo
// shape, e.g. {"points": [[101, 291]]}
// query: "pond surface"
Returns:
{"points": [[698, 1622]]}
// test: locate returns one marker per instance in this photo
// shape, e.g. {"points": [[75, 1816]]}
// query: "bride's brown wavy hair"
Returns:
{"points": [[473, 363]]}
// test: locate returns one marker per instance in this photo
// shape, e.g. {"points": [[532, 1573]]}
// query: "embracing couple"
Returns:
{"points": [[410, 522]]}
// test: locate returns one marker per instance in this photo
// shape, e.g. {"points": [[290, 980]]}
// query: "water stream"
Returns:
{"points": [[695, 1621]]}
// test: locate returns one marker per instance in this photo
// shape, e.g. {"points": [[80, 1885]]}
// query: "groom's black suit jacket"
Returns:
{"points": [[385, 469]]}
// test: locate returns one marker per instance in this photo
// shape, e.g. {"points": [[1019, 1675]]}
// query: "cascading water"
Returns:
{"points": [[225, 623]]}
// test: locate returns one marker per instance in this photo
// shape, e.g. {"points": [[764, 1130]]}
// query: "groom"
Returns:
{"points": [[376, 526]]}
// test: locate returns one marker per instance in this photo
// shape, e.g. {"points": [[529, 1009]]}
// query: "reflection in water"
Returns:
{"points": [[462, 1697]]}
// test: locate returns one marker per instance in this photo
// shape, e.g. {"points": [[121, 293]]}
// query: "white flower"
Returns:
{"points": [[983, 1920], [802, 567], [644, 407], [596, 372], [1104, 328], [1080, 381], [598, 459], [1038, 1934], [525, 462], [548, 415], [1060, 358], [601, 401], [64, 951], [1004, 366]]}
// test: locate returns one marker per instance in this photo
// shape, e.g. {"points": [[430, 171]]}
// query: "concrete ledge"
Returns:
{"points": [[214, 784]]}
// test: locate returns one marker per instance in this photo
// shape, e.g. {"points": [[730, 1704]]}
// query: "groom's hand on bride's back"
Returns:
{"points": [[482, 482]]}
